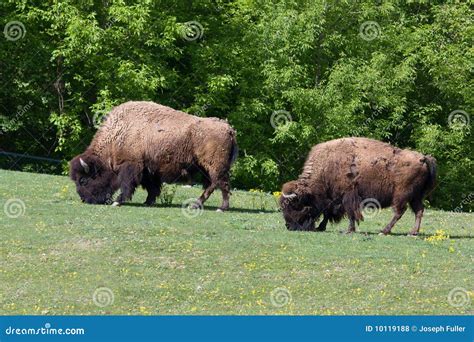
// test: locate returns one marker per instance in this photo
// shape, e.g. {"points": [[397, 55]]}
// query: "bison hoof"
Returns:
{"points": [[116, 204], [383, 233], [196, 206], [413, 234]]}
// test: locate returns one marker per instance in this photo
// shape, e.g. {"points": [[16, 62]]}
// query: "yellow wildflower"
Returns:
{"points": [[440, 235]]}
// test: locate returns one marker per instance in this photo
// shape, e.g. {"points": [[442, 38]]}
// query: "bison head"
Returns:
{"points": [[297, 208], [94, 182]]}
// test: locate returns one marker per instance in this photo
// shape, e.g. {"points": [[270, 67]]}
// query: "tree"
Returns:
{"points": [[286, 74]]}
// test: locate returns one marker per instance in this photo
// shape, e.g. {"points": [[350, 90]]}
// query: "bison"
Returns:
{"points": [[341, 176], [144, 143]]}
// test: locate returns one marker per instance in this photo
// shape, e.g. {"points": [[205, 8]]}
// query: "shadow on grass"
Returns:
{"points": [[421, 235], [206, 207], [256, 211], [369, 234]]}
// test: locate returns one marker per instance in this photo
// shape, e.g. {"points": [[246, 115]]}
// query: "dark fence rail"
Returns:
{"points": [[28, 163]]}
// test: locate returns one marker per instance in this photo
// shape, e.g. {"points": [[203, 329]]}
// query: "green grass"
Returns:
{"points": [[158, 261]]}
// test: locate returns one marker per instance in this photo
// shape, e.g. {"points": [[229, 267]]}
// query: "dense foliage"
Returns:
{"points": [[286, 74]]}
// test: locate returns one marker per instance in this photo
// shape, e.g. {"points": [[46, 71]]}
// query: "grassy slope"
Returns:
{"points": [[157, 261]]}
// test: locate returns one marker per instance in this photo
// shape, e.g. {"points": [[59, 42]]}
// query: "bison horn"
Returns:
{"points": [[288, 196], [84, 165]]}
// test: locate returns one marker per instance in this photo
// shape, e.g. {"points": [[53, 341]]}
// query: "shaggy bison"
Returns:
{"points": [[147, 143], [341, 176]]}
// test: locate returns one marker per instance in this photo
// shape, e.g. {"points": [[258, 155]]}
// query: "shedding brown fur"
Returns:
{"points": [[340, 175]]}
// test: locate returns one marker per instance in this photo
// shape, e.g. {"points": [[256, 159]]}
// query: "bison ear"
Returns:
{"points": [[84, 165]]}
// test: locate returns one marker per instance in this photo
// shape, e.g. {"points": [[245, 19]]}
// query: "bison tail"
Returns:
{"points": [[234, 152], [431, 181]]}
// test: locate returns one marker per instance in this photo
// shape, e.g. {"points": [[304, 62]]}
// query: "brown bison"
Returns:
{"points": [[341, 176], [147, 143]]}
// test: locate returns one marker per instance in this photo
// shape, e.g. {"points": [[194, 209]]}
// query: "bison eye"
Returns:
{"points": [[83, 181]]}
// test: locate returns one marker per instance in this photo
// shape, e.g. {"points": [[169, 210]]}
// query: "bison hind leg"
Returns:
{"points": [[398, 211], [224, 185], [211, 181], [418, 208]]}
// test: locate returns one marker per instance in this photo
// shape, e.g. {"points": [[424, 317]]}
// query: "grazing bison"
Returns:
{"points": [[147, 143], [340, 176]]}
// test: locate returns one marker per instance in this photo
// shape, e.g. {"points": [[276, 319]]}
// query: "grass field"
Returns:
{"points": [[58, 255]]}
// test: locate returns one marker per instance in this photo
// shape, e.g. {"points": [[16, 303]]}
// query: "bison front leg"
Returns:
{"points": [[129, 178], [323, 224], [352, 225], [351, 204], [153, 192], [152, 185]]}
